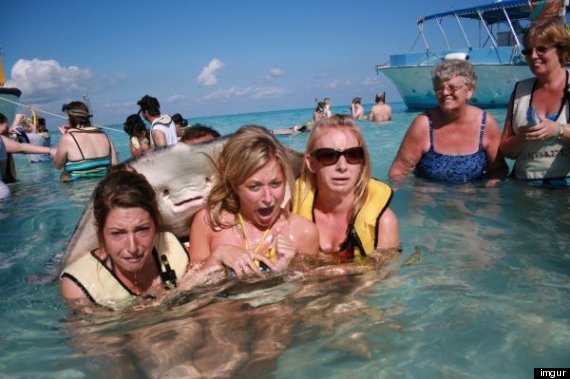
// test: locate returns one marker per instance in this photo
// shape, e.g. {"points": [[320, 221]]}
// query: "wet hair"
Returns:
{"points": [[247, 151], [320, 106], [149, 104], [134, 125], [450, 68], [340, 123], [357, 100], [3, 118], [179, 120], [550, 33], [380, 97], [41, 125], [123, 188], [198, 131], [77, 113]]}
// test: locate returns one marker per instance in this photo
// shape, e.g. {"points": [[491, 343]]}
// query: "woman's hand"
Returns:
{"points": [[241, 261], [545, 130]]}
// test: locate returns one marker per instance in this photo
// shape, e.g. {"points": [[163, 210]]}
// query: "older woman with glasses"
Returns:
{"points": [[536, 129], [337, 193], [454, 142]]}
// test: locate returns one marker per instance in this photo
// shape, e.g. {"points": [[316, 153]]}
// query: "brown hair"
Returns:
{"points": [[548, 33], [123, 188], [339, 122], [247, 151], [78, 114]]}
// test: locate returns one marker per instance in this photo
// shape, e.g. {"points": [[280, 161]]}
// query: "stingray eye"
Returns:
{"points": [[165, 192], [208, 179]]}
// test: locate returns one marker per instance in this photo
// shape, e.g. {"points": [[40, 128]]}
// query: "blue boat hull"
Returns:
{"points": [[494, 84], [8, 99]]}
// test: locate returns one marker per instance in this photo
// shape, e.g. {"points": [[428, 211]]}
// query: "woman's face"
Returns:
{"points": [[128, 237], [261, 195], [452, 93], [542, 59], [342, 176]]}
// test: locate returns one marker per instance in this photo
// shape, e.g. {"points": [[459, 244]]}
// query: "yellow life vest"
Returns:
{"points": [[102, 286], [366, 222]]}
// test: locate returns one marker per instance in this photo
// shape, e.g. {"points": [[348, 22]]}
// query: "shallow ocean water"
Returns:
{"points": [[484, 299]]}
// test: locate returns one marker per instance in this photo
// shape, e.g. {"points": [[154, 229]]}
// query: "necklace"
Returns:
{"points": [[270, 253]]}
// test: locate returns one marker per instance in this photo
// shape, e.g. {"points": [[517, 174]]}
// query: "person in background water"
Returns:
{"points": [[356, 109], [135, 260], [327, 112], [336, 192], [381, 111], [84, 151], [454, 142], [536, 131], [243, 220], [37, 134], [181, 124], [163, 130], [9, 147], [319, 112], [139, 136], [199, 133]]}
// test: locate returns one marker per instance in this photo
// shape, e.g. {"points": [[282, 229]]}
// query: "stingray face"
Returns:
{"points": [[182, 177]]}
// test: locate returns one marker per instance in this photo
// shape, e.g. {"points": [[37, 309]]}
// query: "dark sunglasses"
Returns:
{"points": [[328, 157], [539, 50]]}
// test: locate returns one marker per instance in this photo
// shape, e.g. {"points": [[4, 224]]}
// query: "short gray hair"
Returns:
{"points": [[451, 68]]}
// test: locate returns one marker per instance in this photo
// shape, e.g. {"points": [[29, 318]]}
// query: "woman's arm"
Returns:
{"points": [[413, 146], [496, 165], [70, 291], [199, 238], [388, 231], [61, 156], [511, 144], [26, 148], [114, 156]]}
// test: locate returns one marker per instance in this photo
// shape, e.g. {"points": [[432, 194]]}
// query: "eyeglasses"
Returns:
{"points": [[451, 89], [328, 157], [540, 50]]}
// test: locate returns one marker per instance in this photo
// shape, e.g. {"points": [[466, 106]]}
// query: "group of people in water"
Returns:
{"points": [[263, 212]]}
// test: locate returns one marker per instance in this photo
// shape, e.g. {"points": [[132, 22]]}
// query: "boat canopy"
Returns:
{"points": [[491, 13]]}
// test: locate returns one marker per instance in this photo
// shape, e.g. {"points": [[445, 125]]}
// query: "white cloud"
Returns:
{"points": [[333, 84], [251, 91], [45, 80], [175, 99], [370, 81], [262, 93], [208, 76], [276, 72]]}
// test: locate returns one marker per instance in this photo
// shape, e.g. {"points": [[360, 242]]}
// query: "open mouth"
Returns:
{"points": [[265, 212], [186, 204]]}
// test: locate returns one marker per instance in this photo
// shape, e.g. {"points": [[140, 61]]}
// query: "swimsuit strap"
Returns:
{"points": [[77, 143], [246, 243], [482, 133]]}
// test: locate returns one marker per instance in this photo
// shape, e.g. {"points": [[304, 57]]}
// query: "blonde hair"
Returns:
{"points": [[553, 33], [247, 151], [342, 123]]}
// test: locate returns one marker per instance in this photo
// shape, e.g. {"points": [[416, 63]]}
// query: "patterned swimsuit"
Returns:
{"points": [[453, 168]]}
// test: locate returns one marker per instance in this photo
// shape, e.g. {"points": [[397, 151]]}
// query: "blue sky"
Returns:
{"points": [[203, 58]]}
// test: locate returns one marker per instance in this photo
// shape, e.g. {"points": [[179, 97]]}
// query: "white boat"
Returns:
{"points": [[8, 97], [497, 60]]}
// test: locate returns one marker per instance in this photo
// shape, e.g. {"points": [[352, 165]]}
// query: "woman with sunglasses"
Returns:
{"points": [[243, 223], [536, 129], [337, 193], [454, 142]]}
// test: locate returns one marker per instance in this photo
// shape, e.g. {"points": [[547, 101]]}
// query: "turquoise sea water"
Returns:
{"points": [[486, 299]]}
